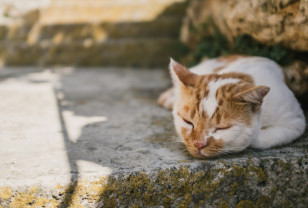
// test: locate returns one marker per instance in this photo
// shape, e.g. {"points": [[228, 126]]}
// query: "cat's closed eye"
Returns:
{"points": [[222, 128], [188, 122]]}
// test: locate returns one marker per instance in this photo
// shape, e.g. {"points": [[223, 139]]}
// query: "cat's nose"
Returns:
{"points": [[199, 144]]}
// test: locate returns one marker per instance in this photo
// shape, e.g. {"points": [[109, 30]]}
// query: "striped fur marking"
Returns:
{"points": [[210, 103]]}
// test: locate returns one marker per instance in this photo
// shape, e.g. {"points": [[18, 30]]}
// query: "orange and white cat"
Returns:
{"points": [[230, 103]]}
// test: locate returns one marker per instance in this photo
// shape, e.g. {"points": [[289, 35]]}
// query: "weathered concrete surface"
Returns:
{"points": [[95, 137]]}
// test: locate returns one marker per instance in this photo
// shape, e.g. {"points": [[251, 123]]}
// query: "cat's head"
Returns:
{"points": [[215, 114]]}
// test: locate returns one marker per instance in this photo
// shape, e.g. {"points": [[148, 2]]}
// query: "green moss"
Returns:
{"points": [[264, 202], [245, 204], [284, 165], [211, 184], [261, 175], [217, 45], [286, 204], [171, 184], [238, 170], [178, 187], [134, 206], [211, 46], [233, 188], [222, 203]]}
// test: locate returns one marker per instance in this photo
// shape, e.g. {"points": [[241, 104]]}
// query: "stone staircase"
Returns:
{"points": [[95, 33]]}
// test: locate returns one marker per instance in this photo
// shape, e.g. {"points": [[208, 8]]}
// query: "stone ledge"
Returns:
{"points": [[274, 182], [161, 27], [95, 138], [151, 52]]}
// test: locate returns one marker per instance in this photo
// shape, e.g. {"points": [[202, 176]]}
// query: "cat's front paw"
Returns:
{"points": [[166, 99]]}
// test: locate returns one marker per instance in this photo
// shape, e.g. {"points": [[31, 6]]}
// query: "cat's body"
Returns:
{"points": [[230, 103]]}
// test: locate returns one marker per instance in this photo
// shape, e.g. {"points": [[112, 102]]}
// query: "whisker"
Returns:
{"points": [[225, 153], [232, 149]]}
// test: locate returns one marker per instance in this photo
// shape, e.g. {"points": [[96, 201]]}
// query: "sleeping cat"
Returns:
{"points": [[230, 103]]}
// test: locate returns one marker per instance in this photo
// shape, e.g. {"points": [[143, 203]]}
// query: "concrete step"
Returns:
{"points": [[96, 138], [121, 52]]}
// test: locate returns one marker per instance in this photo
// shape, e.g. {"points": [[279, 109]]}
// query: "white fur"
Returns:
{"points": [[172, 64], [210, 103], [280, 120], [210, 65]]}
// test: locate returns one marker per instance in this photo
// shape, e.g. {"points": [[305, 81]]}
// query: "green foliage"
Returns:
{"points": [[246, 45], [218, 45], [211, 47]]}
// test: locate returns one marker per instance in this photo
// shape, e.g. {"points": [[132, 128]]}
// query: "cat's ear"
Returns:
{"points": [[253, 95], [181, 75]]}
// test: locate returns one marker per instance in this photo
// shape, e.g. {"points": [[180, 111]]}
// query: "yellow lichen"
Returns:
{"points": [[22, 200], [59, 187], [33, 190], [28, 199], [91, 190], [44, 202], [83, 190], [6, 192]]}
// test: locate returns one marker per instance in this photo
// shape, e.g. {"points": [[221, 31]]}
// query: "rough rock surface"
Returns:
{"points": [[296, 76], [96, 138], [282, 22]]}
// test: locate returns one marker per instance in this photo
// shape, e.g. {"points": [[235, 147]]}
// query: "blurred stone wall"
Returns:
{"points": [[282, 22], [90, 33]]}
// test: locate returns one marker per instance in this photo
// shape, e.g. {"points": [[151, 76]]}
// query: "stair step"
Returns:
{"points": [[110, 12], [164, 27], [144, 52]]}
